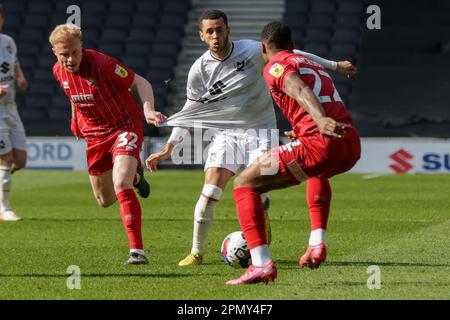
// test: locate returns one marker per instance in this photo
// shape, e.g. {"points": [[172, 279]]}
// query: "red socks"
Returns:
{"points": [[131, 213], [251, 215], [318, 195]]}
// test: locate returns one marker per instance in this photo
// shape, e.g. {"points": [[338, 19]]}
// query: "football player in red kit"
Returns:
{"points": [[326, 144], [106, 114]]}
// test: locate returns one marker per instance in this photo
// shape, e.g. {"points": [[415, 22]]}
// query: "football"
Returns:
{"points": [[235, 251]]}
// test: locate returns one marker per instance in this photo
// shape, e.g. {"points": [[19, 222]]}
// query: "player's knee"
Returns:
{"points": [[19, 164], [241, 181], [122, 185], [105, 202]]}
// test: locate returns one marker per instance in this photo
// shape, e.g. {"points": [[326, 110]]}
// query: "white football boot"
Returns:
{"points": [[9, 215]]}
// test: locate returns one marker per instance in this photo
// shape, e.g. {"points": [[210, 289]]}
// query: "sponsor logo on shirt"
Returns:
{"points": [[276, 70], [121, 72], [4, 67], [82, 98]]}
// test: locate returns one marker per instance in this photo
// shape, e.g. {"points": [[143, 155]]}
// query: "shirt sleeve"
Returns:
{"points": [[328, 64], [118, 73], [195, 88], [275, 75]]}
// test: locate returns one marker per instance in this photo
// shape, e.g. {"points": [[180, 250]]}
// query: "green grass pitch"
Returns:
{"points": [[399, 223]]}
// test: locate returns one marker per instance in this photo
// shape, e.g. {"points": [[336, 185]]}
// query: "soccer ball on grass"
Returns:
{"points": [[235, 250]]}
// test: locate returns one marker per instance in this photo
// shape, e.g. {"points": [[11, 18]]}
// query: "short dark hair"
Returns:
{"points": [[277, 35], [212, 15]]}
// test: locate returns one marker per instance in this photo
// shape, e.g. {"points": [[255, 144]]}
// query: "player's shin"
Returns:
{"points": [[251, 218], [5, 188], [318, 195], [204, 215], [131, 213]]}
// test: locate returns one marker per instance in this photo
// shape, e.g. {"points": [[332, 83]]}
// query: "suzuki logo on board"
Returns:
{"points": [[401, 164]]}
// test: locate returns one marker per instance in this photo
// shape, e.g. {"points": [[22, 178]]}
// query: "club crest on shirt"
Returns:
{"points": [[91, 82], [276, 70], [121, 72], [66, 85]]}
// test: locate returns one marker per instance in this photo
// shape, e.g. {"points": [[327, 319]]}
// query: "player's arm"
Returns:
{"points": [[21, 81], [145, 91], [193, 89], [74, 123], [298, 90], [344, 67]]}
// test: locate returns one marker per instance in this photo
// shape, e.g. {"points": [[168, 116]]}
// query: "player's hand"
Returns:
{"points": [[291, 135], [331, 128], [152, 161], [22, 83], [75, 130], [155, 118], [4, 88], [347, 68]]}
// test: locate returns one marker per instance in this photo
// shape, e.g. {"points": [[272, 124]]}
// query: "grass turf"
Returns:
{"points": [[399, 223]]}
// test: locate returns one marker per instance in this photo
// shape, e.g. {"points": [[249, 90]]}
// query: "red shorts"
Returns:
{"points": [[317, 155], [101, 155]]}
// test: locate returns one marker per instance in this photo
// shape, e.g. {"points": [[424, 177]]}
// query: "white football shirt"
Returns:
{"points": [[8, 61]]}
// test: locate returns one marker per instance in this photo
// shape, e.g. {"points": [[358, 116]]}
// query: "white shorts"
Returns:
{"points": [[233, 151], [12, 132]]}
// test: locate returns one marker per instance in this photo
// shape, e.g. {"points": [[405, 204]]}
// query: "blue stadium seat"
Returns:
{"points": [[94, 7], [145, 6], [321, 20], [42, 7], [140, 36], [323, 6], [117, 21], [317, 48], [145, 21], [318, 35], [36, 21], [346, 35], [114, 34], [113, 49], [122, 7], [348, 20], [299, 6], [138, 49]]}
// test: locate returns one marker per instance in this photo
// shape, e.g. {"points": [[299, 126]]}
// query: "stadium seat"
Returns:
{"points": [[60, 114], [176, 6], [172, 20], [343, 49], [317, 48], [43, 75], [40, 7], [13, 21], [140, 36], [94, 7], [115, 20], [350, 6], [321, 20], [348, 20], [113, 49], [35, 21], [138, 49], [144, 7], [137, 63], [91, 21], [114, 34], [33, 114], [169, 49], [299, 6], [323, 6], [36, 101], [145, 21], [346, 36], [318, 35], [14, 7], [122, 7]]}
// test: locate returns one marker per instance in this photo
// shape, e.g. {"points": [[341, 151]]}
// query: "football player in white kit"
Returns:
{"points": [[13, 154], [229, 73]]}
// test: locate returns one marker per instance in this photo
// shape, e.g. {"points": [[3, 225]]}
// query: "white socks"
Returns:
{"points": [[317, 236], [204, 214], [260, 255], [138, 251], [5, 185]]}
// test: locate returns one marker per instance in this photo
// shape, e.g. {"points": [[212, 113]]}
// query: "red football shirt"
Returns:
{"points": [[101, 94], [317, 78]]}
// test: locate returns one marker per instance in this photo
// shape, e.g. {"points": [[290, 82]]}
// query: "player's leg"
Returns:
{"points": [[103, 188], [258, 143], [124, 171], [318, 195], [19, 159], [262, 176], [216, 180], [6, 213], [221, 164]]}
